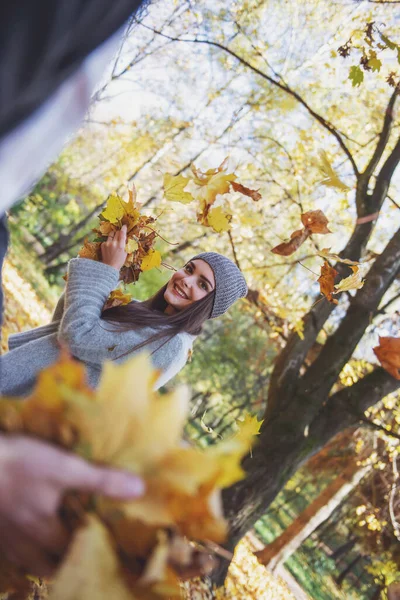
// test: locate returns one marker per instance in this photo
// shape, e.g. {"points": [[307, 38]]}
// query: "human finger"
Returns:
{"points": [[75, 473], [122, 236]]}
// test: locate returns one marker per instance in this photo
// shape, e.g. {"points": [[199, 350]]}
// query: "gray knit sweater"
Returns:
{"points": [[77, 323]]}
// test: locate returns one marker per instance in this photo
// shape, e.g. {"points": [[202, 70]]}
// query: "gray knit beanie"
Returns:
{"points": [[229, 281]]}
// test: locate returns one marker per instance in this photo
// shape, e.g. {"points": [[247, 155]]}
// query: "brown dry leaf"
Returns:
{"points": [[253, 194], [90, 250], [296, 240], [388, 354], [315, 221], [327, 281], [105, 228]]}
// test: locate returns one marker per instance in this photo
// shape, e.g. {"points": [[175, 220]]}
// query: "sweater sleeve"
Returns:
{"points": [[177, 347], [59, 309], [88, 287]]}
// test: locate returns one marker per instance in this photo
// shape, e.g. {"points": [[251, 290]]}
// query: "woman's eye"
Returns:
{"points": [[203, 285]]}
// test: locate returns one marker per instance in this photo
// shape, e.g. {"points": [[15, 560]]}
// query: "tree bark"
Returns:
{"points": [[316, 513], [341, 577], [344, 548]]}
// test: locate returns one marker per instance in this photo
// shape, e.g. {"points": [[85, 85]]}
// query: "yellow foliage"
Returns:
{"points": [[218, 219], [120, 550], [114, 210], [208, 186], [153, 259], [174, 187]]}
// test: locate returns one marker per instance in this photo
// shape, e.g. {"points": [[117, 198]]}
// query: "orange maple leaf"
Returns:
{"points": [[388, 354], [253, 194], [315, 221], [327, 281], [296, 240]]}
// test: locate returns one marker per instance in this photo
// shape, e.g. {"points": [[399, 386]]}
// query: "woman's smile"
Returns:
{"points": [[188, 285], [179, 292]]}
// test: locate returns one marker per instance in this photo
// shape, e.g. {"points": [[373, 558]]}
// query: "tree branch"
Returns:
{"points": [[326, 124], [383, 137], [324, 371], [347, 407], [376, 199]]}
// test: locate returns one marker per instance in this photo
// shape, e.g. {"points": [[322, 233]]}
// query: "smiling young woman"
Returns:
{"points": [[166, 324]]}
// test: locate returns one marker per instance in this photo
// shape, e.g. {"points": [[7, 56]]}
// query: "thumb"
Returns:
{"points": [[80, 475]]}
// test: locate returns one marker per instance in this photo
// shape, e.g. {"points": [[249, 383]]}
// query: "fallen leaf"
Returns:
{"points": [[151, 260], [388, 354], [218, 184], [117, 298], [327, 281], [105, 228], [315, 221], [91, 568], [131, 246], [331, 178], [174, 189], [90, 250], [296, 240], [219, 220], [248, 427], [119, 552], [353, 282], [253, 194], [326, 253], [114, 210]]}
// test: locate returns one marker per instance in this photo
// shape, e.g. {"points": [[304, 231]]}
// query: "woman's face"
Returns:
{"points": [[190, 284]]}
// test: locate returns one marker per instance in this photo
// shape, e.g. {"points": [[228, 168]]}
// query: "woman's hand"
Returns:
{"points": [[34, 476], [113, 250]]}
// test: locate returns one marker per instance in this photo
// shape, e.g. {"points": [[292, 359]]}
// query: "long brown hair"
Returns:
{"points": [[150, 313]]}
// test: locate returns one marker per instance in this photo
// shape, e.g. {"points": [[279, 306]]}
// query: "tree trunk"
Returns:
{"points": [[339, 580], [317, 512], [344, 548]]}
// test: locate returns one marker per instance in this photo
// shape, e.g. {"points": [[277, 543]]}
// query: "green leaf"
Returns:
{"points": [[356, 76], [388, 42]]}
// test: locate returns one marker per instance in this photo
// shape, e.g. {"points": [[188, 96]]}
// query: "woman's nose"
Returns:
{"points": [[188, 281]]}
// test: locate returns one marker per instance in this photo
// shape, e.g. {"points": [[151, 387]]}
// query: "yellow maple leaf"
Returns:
{"points": [[218, 184], [151, 260], [174, 188], [248, 427], [114, 210], [91, 569], [126, 424], [218, 219], [117, 298]]}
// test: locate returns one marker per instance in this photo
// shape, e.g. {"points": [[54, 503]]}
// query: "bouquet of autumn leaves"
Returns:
{"points": [[138, 549], [141, 255]]}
